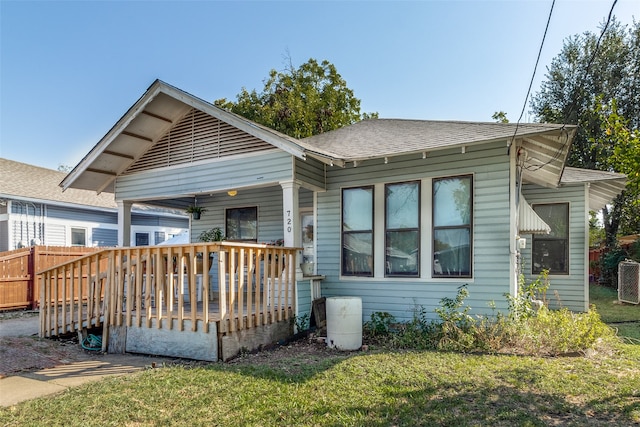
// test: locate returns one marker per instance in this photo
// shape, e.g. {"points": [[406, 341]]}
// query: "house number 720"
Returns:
{"points": [[288, 221]]}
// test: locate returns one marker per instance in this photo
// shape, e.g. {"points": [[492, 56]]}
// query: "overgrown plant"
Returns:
{"points": [[529, 327], [530, 296]]}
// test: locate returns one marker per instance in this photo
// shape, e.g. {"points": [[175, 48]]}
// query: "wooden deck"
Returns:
{"points": [[246, 287]]}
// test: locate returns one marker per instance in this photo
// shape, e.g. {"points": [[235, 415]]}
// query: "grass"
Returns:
{"points": [[362, 389], [621, 316], [374, 388]]}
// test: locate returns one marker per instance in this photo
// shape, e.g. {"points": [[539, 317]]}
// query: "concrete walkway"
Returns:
{"points": [[30, 385]]}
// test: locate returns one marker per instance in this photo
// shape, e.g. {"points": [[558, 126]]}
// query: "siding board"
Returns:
{"points": [[570, 290], [401, 296], [211, 176]]}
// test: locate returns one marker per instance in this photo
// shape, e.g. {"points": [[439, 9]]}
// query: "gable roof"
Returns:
{"points": [[163, 108], [603, 186], [33, 183], [158, 110]]}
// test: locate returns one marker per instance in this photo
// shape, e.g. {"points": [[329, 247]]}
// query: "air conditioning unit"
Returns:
{"points": [[629, 282]]}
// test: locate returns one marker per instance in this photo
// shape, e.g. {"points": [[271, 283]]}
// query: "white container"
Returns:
{"points": [[344, 322]]}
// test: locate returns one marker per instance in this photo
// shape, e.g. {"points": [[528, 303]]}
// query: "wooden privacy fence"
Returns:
{"points": [[164, 286], [18, 272]]}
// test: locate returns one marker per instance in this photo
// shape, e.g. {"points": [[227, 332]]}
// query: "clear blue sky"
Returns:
{"points": [[71, 69]]}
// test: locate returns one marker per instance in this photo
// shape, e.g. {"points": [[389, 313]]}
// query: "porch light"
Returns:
{"points": [[232, 193]]}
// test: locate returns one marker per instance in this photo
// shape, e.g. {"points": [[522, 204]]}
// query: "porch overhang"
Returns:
{"points": [[148, 120]]}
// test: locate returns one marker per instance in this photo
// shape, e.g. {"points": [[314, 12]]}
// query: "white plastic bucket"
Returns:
{"points": [[344, 322]]}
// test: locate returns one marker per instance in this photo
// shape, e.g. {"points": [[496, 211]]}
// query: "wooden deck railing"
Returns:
{"points": [[153, 286]]}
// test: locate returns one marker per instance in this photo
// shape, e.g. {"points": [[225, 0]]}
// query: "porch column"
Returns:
{"points": [[124, 223], [291, 218]]}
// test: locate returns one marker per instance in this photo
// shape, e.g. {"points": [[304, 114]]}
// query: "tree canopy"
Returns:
{"points": [[595, 83], [300, 102]]}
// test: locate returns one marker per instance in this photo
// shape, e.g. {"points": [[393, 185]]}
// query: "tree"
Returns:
{"points": [[500, 117], [624, 156], [590, 77], [300, 102]]}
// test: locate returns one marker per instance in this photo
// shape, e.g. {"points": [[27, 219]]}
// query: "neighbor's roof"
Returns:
{"points": [[33, 183], [25, 182], [603, 186]]}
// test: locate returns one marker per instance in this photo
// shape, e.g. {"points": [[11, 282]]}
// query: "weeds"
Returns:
{"points": [[528, 328]]}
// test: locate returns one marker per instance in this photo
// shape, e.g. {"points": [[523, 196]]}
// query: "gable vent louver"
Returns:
{"points": [[196, 137]]}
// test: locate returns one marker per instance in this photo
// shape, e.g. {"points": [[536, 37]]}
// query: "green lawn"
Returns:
{"points": [[363, 389], [621, 316], [375, 388]]}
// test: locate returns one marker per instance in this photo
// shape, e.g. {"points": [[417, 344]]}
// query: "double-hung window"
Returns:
{"points": [[452, 213], [357, 231], [402, 229], [551, 251]]}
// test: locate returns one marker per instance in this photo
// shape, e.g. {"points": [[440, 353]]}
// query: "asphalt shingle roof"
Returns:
{"points": [[26, 181], [388, 137], [571, 175]]}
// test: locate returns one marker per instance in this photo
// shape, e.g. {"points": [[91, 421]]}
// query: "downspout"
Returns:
{"points": [[587, 189], [515, 182]]}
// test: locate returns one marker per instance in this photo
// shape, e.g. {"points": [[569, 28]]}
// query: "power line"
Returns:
{"points": [[535, 68]]}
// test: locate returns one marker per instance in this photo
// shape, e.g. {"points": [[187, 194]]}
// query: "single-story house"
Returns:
{"points": [[399, 213], [35, 211]]}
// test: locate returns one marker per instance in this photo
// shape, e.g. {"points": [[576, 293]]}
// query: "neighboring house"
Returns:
{"points": [[398, 212], [35, 211]]}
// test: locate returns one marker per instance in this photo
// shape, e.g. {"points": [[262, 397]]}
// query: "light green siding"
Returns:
{"points": [[310, 171], [246, 171], [570, 291], [489, 165]]}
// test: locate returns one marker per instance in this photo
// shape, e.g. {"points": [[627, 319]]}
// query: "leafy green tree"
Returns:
{"points": [[500, 117], [300, 102], [593, 71], [623, 147]]}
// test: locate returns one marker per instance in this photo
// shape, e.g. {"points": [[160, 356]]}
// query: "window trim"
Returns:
{"points": [[540, 237], [371, 232], [417, 229], [226, 229], [435, 228]]}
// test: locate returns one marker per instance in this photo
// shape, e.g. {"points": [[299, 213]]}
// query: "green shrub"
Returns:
{"points": [[609, 266]]}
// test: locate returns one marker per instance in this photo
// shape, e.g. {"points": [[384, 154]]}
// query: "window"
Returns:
{"points": [[242, 224], [357, 231], [142, 239], [551, 251], [402, 229], [78, 237], [452, 213], [159, 237]]}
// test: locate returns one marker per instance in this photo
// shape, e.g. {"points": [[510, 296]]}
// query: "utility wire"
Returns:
{"points": [[524, 105], [580, 83]]}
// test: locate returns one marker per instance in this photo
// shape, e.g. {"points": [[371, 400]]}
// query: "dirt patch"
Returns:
{"points": [[295, 357], [25, 354]]}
